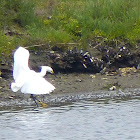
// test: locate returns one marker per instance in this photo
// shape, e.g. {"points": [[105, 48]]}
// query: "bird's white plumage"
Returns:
{"points": [[29, 81], [35, 84], [21, 58]]}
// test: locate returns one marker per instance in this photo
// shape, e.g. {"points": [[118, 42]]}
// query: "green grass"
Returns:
{"points": [[75, 21], [110, 18]]}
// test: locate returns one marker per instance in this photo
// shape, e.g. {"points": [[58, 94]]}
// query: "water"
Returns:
{"points": [[83, 120]]}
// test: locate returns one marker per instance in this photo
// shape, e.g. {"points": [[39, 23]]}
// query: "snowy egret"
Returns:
{"points": [[27, 80]]}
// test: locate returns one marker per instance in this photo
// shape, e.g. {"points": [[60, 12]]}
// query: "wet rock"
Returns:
{"points": [[101, 59], [121, 56], [75, 61]]}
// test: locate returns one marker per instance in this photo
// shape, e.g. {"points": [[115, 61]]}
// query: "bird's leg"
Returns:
{"points": [[35, 99], [32, 96]]}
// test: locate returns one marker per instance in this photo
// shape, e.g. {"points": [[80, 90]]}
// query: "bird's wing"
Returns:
{"points": [[21, 57], [19, 80], [19, 69], [36, 85]]}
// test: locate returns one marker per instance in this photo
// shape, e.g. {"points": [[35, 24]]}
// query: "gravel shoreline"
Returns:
{"points": [[73, 87]]}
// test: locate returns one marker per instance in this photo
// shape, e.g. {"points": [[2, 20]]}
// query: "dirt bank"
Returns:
{"points": [[73, 84], [106, 77]]}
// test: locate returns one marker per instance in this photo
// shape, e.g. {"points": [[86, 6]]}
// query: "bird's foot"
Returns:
{"points": [[44, 105]]}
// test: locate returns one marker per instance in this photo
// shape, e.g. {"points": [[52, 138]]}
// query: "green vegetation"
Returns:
{"points": [[29, 22]]}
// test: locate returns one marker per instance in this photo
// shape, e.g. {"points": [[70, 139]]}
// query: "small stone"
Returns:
{"points": [[78, 80], [92, 76], [112, 88]]}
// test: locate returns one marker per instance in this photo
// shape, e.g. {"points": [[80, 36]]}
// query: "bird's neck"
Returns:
{"points": [[42, 73]]}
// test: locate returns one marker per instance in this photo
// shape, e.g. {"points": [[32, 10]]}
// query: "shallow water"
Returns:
{"points": [[83, 120]]}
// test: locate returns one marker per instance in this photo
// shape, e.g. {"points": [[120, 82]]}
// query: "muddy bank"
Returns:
{"points": [[73, 87], [109, 70]]}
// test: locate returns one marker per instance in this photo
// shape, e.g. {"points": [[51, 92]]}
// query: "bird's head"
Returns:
{"points": [[47, 69]]}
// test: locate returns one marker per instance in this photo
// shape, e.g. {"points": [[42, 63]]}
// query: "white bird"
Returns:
{"points": [[27, 80]]}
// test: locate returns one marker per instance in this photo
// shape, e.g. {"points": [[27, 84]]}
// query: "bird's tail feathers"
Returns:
{"points": [[14, 87]]}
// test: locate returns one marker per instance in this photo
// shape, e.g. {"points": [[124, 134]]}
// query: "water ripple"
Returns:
{"points": [[81, 120]]}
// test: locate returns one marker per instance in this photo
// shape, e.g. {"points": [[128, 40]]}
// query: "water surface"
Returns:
{"points": [[83, 120]]}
